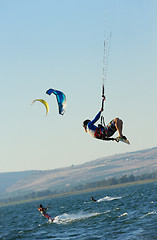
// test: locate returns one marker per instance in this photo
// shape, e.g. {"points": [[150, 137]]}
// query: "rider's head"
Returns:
{"points": [[85, 124]]}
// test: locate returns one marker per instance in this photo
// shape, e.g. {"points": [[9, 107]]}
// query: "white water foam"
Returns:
{"points": [[107, 198], [67, 218]]}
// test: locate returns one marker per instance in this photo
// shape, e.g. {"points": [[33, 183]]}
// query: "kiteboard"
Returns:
{"points": [[51, 220], [123, 140]]}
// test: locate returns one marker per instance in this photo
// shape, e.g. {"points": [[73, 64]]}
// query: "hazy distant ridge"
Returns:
{"points": [[114, 166]]}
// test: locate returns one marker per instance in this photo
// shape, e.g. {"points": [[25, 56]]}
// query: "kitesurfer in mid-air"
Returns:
{"points": [[42, 210], [104, 132]]}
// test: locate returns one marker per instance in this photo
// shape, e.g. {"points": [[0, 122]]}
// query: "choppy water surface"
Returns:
{"points": [[120, 213]]}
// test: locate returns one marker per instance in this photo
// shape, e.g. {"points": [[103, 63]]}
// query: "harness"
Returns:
{"points": [[108, 131], [98, 133]]}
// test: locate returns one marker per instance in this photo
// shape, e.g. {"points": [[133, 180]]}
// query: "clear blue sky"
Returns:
{"points": [[59, 44]]}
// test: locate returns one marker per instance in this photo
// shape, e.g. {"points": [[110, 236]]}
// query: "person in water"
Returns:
{"points": [[94, 200], [42, 210], [104, 132]]}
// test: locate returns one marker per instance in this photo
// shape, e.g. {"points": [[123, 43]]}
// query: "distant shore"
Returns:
{"points": [[79, 192]]}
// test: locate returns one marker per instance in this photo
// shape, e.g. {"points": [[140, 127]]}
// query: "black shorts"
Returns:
{"points": [[110, 129]]}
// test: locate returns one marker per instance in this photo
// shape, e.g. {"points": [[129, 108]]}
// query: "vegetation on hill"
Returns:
{"points": [[126, 168], [83, 187]]}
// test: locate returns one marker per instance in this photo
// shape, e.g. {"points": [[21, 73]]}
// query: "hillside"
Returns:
{"points": [[10, 178], [56, 180]]}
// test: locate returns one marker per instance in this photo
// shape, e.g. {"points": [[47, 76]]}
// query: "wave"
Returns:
{"points": [[107, 198], [149, 213], [124, 214]]}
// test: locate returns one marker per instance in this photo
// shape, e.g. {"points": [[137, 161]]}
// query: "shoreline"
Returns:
{"points": [[79, 192]]}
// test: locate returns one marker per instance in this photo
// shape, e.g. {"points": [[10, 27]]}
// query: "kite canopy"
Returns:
{"points": [[43, 102], [61, 99]]}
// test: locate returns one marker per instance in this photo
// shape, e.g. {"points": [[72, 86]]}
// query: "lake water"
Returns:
{"points": [[120, 213]]}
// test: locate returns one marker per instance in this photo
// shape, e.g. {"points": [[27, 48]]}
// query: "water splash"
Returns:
{"points": [[68, 218], [107, 198]]}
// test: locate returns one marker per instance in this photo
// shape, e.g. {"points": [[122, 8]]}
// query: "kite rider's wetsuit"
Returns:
{"points": [[100, 132]]}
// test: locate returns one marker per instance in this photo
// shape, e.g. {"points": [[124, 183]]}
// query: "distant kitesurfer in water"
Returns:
{"points": [[93, 199], [42, 210], [104, 132]]}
